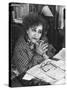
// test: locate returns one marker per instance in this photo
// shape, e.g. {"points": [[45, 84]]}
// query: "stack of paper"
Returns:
{"points": [[50, 70]]}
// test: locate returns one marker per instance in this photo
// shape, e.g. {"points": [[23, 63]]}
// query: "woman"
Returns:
{"points": [[31, 49]]}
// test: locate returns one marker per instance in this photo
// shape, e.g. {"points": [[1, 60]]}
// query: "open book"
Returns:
{"points": [[49, 71]]}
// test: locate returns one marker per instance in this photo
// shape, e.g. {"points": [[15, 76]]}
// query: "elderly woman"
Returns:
{"points": [[32, 48]]}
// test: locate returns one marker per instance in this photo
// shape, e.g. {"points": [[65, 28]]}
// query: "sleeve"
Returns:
{"points": [[37, 59], [21, 59], [51, 51]]}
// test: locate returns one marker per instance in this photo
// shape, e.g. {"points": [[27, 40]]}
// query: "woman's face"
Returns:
{"points": [[34, 33]]}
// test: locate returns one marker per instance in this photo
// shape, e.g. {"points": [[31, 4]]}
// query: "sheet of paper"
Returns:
{"points": [[37, 72], [28, 77], [61, 54], [53, 71], [49, 73]]}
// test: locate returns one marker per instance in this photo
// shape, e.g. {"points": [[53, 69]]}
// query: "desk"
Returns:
{"points": [[37, 72]]}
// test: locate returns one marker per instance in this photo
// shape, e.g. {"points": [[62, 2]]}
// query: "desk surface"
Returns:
{"points": [[37, 72]]}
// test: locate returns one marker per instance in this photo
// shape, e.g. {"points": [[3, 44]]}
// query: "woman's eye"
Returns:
{"points": [[34, 30], [40, 32]]}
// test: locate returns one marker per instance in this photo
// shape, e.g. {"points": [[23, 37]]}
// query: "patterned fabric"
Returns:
{"points": [[24, 58]]}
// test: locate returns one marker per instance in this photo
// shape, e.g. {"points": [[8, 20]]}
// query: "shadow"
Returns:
{"points": [[6, 85]]}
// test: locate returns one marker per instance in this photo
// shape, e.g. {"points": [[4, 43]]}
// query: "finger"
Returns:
{"points": [[45, 50], [37, 44], [44, 45], [41, 43]]}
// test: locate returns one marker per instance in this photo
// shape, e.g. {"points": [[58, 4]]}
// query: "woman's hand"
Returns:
{"points": [[41, 48]]}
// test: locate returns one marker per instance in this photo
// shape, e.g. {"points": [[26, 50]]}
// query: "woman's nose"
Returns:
{"points": [[36, 34]]}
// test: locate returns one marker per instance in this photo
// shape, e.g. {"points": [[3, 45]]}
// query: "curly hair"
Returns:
{"points": [[34, 20]]}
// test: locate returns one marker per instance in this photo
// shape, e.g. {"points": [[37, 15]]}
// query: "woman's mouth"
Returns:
{"points": [[35, 39]]}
